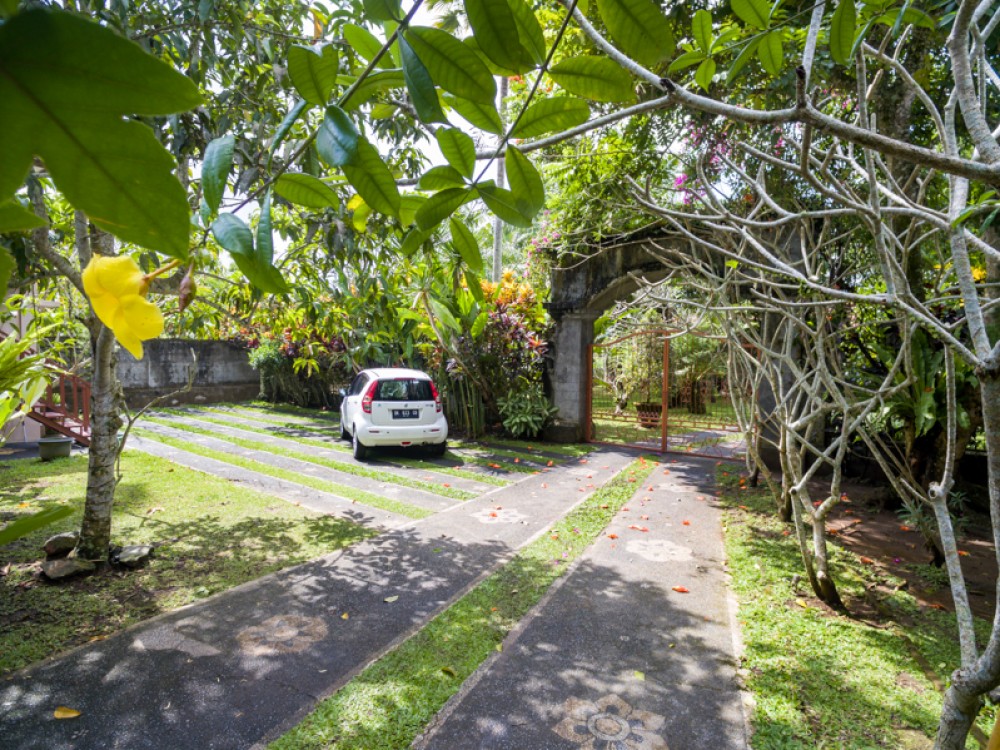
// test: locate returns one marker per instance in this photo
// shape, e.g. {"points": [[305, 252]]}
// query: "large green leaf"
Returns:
{"points": [[365, 43], [383, 10], [483, 116], [525, 182], [529, 30], [465, 242], [7, 266], [67, 86], [215, 169], [593, 77], [842, 28], [312, 74], [706, 71], [497, 35], [409, 204], [440, 206], [771, 52], [373, 84], [458, 148], [689, 58], [25, 525], [412, 241], [639, 28], [370, 176], [745, 56], [265, 240], [286, 127], [423, 94], [441, 177], [504, 204], [16, 218], [306, 190], [701, 30], [754, 13], [453, 66], [552, 115], [337, 138], [233, 234]]}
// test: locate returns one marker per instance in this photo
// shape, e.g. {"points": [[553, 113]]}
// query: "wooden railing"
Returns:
{"points": [[65, 408]]}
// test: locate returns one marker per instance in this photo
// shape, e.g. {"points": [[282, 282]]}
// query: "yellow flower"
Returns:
{"points": [[117, 291]]}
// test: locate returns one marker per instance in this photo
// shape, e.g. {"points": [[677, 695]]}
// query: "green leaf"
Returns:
{"points": [[496, 33], [26, 525], [285, 127], [215, 169], [692, 57], [383, 10], [266, 278], [383, 111], [306, 190], [365, 43], [639, 28], [16, 218], [440, 206], [7, 266], [551, 115], [312, 74], [442, 177], [360, 211], [479, 325], [504, 204], [265, 241], [444, 316], [483, 116], [842, 30], [67, 86], [701, 30], [745, 56], [370, 176], [597, 78], [409, 204], [754, 13], [383, 80], [458, 148], [423, 94], [465, 242], [771, 53], [529, 31], [475, 285], [706, 71], [453, 66], [8, 8], [412, 242], [233, 234], [337, 139], [525, 182]]}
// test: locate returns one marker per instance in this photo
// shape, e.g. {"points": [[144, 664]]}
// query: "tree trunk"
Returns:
{"points": [[963, 699]]}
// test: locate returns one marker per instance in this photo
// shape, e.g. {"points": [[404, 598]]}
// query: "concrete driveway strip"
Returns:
{"points": [[241, 667], [615, 658]]}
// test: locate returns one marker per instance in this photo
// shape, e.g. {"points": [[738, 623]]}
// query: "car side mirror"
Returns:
{"points": [[343, 392]]}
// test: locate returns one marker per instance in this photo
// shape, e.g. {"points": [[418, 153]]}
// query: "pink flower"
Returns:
{"points": [[681, 179]]}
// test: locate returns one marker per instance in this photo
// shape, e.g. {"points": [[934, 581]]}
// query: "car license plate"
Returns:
{"points": [[405, 413]]}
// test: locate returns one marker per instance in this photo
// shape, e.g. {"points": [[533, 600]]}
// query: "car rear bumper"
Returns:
{"points": [[428, 434]]}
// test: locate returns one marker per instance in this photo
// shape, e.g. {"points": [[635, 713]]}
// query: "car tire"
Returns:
{"points": [[360, 451], [437, 449], [344, 434]]}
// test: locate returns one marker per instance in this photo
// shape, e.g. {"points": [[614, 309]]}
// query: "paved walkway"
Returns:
{"points": [[615, 658], [243, 666]]}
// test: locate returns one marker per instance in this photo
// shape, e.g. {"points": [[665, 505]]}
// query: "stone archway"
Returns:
{"points": [[580, 295]]}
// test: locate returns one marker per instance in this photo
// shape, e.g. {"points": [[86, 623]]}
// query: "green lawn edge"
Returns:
{"points": [[391, 702]]}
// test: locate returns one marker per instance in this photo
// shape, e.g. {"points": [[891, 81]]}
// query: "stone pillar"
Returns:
{"points": [[574, 333]]}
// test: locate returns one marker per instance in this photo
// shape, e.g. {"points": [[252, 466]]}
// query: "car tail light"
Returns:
{"points": [[366, 401], [437, 396]]}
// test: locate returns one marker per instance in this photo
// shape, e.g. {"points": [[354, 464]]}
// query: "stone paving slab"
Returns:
{"points": [[307, 497], [419, 498], [245, 665], [275, 437], [614, 657]]}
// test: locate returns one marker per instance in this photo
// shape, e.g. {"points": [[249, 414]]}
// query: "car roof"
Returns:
{"points": [[397, 372]]}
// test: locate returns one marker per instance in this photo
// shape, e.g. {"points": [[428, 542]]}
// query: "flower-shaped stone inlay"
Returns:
{"points": [[283, 634], [503, 515], [610, 724], [658, 550]]}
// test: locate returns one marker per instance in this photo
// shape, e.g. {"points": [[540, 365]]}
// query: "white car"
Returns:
{"points": [[392, 406]]}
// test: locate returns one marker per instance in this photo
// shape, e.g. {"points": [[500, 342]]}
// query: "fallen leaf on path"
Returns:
{"points": [[700, 497], [666, 471], [544, 485], [649, 489], [686, 523], [935, 605], [64, 712], [445, 484], [643, 518], [551, 463], [963, 553], [867, 561], [742, 507], [494, 466], [802, 604], [345, 616], [390, 599], [639, 675], [24, 505], [555, 536], [905, 528], [604, 507], [638, 528], [682, 589], [583, 460], [517, 460], [612, 536], [493, 514]]}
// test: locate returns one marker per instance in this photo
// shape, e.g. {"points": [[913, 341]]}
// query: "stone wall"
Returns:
{"points": [[223, 372]]}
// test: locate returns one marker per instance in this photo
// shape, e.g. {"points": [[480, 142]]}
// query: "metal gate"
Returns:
{"points": [[665, 391]]}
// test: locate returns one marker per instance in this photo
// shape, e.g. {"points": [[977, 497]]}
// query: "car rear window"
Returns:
{"points": [[404, 389]]}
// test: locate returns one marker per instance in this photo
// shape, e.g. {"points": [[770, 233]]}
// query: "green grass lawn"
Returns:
{"points": [[210, 535], [822, 680]]}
